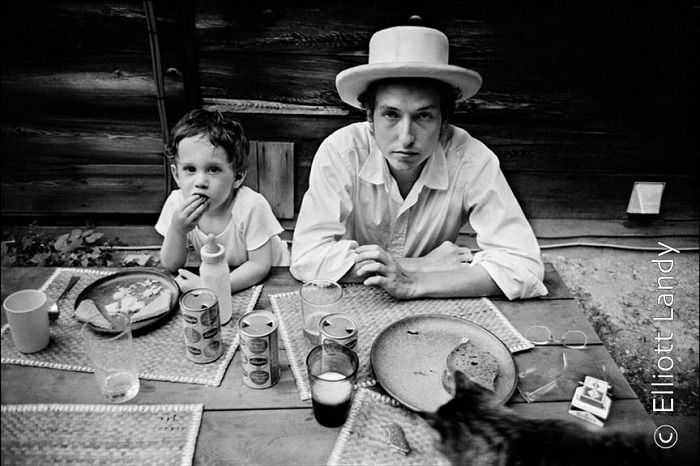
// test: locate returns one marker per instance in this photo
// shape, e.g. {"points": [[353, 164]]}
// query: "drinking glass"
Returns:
{"points": [[113, 359], [319, 298], [332, 369]]}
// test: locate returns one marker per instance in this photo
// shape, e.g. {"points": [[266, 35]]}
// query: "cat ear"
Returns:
{"points": [[466, 388], [462, 382]]}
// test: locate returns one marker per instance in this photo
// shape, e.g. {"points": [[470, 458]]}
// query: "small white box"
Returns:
{"points": [[591, 401]]}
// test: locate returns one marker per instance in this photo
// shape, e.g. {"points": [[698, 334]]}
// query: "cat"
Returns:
{"points": [[474, 431]]}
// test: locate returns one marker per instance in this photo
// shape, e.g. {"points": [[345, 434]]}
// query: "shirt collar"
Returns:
{"points": [[434, 173], [374, 166], [433, 176]]}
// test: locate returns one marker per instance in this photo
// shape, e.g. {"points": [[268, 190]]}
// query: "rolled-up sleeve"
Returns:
{"points": [[320, 248], [509, 249]]}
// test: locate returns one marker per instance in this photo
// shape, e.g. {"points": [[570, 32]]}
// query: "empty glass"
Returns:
{"points": [[113, 359], [319, 298], [533, 382]]}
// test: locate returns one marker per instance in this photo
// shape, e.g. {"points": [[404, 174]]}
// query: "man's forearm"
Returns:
{"points": [[469, 281]]}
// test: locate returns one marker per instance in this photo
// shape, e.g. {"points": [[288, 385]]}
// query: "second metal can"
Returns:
{"points": [[340, 328], [257, 333]]}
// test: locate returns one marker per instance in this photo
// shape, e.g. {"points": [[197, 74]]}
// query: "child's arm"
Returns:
{"points": [[254, 270], [173, 253]]}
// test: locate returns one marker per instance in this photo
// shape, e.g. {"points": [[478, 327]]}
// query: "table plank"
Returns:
{"points": [[581, 363], [555, 285], [282, 436], [558, 316], [280, 281], [627, 415], [25, 384], [267, 437]]}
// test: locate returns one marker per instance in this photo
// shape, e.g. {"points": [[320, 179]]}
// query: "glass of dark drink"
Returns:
{"points": [[332, 369]]}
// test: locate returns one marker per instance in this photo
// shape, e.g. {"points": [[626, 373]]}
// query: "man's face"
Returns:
{"points": [[407, 124]]}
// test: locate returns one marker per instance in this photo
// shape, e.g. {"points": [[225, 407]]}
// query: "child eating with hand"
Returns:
{"points": [[210, 161]]}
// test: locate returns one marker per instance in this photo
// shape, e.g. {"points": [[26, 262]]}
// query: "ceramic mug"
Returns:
{"points": [[27, 314]]}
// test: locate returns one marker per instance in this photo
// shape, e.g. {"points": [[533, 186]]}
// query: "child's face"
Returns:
{"points": [[203, 169]]}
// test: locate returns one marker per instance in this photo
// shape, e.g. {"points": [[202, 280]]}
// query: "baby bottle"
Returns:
{"points": [[214, 275]]}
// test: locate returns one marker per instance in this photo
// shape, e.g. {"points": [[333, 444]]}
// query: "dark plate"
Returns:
{"points": [[101, 292], [409, 356]]}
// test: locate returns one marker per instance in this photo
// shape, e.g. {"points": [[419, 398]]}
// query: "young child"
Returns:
{"points": [[210, 163]]}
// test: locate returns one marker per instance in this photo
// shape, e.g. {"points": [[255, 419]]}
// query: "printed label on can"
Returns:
{"points": [[259, 347], [202, 329], [209, 334], [258, 361], [259, 377]]}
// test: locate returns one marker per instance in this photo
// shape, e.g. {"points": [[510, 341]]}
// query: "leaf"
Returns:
{"points": [[61, 243], [75, 235], [7, 258], [93, 237], [39, 259], [27, 242], [138, 259]]}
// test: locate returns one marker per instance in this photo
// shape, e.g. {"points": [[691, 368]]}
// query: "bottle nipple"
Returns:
{"points": [[211, 246]]}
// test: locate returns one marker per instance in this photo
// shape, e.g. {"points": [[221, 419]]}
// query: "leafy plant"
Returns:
{"points": [[79, 248]]}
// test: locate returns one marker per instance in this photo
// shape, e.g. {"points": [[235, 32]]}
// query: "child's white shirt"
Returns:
{"points": [[252, 225]]}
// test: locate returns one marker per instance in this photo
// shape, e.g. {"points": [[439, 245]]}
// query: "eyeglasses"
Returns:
{"points": [[540, 335]]}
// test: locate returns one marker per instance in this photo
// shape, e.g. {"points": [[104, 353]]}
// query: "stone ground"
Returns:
{"points": [[618, 291]]}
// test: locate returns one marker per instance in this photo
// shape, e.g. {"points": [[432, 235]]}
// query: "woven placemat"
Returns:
{"points": [[373, 309], [363, 438], [161, 353], [99, 434]]}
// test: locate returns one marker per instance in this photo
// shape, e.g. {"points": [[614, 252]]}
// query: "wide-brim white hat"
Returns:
{"points": [[406, 52]]}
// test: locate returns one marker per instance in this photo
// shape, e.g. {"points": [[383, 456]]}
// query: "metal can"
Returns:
{"points": [[257, 333], [200, 318], [340, 328]]}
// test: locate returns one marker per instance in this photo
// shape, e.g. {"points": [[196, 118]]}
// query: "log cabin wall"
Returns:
{"points": [[579, 101]]}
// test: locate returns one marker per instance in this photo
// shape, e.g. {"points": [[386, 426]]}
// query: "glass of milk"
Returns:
{"points": [[332, 369]]}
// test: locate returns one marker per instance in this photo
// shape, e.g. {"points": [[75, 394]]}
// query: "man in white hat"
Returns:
{"points": [[387, 197]]}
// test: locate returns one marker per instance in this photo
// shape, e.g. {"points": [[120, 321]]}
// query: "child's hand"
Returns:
{"points": [[185, 219], [188, 280]]}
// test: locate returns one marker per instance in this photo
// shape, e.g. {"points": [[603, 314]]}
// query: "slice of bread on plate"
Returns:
{"points": [[87, 311], [477, 364], [160, 305]]}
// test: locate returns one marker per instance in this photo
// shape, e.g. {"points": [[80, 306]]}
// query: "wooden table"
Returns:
{"points": [[241, 425]]}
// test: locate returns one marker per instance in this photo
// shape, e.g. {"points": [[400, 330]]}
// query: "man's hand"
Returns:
{"points": [[385, 271], [185, 219], [188, 280], [447, 256]]}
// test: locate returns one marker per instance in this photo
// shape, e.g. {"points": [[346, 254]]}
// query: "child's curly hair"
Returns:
{"points": [[221, 131]]}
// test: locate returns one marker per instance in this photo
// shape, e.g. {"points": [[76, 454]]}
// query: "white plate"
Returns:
{"points": [[409, 356]]}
